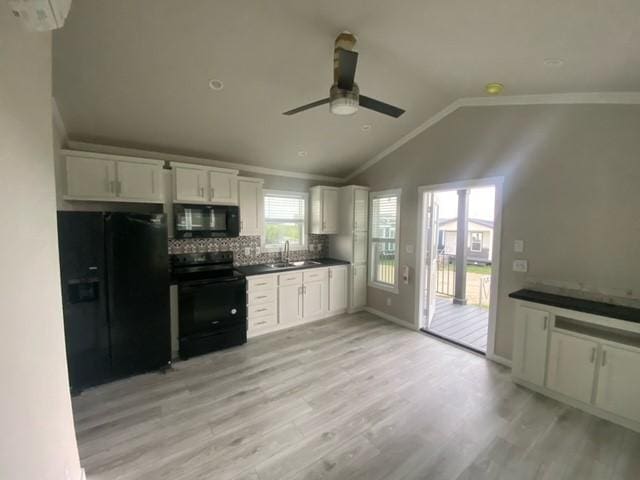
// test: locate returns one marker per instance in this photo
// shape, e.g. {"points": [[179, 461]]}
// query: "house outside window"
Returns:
{"points": [[285, 218], [475, 241], [383, 241]]}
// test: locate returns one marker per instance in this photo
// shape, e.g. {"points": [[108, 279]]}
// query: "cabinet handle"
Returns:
{"points": [[112, 186], [546, 323], [212, 192], [604, 357], [261, 310], [261, 296], [260, 284], [118, 187], [330, 274], [261, 323], [593, 354]]}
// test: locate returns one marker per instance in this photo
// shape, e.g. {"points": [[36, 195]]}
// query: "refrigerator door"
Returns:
{"points": [[82, 271], [138, 290]]}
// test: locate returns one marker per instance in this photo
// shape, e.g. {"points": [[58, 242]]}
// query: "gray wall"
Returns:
{"points": [[572, 192], [38, 439]]}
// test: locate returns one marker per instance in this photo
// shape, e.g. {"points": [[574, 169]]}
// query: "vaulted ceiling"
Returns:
{"points": [[136, 73]]}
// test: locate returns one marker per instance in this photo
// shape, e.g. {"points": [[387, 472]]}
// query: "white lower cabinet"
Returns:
{"points": [[290, 304], [531, 334], [572, 366], [618, 386], [338, 289], [589, 361], [281, 300]]}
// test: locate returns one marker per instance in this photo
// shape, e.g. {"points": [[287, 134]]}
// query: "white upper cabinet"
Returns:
{"points": [[202, 184], [190, 184], [251, 201], [618, 386], [103, 177], [572, 366], [90, 177], [531, 338], [324, 210], [223, 188], [140, 181]]}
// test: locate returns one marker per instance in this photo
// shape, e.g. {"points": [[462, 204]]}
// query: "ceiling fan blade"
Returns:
{"points": [[381, 107], [347, 61], [307, 106]]}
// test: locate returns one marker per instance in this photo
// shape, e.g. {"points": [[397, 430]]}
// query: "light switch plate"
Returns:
{"points": [[520, 266], [518, 246]]}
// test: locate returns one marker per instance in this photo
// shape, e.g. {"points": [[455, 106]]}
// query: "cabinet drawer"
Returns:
{"points": [[262, 282], [259, 297], [255, 311], [292, 278], [315, 274], [263, 322]]}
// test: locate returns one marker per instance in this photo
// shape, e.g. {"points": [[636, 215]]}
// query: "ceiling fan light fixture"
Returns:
{"points": [[343, 102]]}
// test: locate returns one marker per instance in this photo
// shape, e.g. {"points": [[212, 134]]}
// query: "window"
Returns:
{"points": [[383, 251], [475, 241], [285, 219]]}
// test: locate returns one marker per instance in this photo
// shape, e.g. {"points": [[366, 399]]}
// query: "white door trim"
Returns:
{"points": [[496, 182]]}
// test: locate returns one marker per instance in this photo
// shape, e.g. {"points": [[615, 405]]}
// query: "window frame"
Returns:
{"points": [[371, 282], [471, 242], [305, 224]]}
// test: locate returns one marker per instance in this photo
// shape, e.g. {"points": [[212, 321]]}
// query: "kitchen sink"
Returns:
{"points": [[283, 265]]}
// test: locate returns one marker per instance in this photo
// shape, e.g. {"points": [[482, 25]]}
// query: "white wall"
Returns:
{"points": [[37, 440], [571, 191]]}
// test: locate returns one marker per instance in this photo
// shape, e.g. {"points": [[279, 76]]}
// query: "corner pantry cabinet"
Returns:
{"points": [[588, 360], [324, 210], [114, 178], [201, 184]]}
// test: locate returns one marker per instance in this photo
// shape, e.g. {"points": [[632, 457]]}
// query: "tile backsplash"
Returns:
{"points": [[318, 247]]}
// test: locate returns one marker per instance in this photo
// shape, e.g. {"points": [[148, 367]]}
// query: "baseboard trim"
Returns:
{"points": [[630, 424], [499, 359], [390, 318]]}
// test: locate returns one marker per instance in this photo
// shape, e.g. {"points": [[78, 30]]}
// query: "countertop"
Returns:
{"points": [[619, 312], [261, 269]]}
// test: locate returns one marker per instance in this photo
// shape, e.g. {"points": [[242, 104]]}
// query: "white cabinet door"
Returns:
{"points": [[359, 286], [572, 366], [223, 188], [330, 210], [315, 297], [190, 184], [360, 210], [618, 386], [139, 181], [530, 344], [91, 178], [360, 247], [251, 208], [289, 304], [338, 292]]}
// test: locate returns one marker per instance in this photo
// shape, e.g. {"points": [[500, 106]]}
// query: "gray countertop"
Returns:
{"points": [[261, 269]]}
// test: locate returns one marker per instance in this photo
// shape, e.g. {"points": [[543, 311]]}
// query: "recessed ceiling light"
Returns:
{"points": [[366, 127], [553, 62], [302, 153], [494, 88], [215, 84]]}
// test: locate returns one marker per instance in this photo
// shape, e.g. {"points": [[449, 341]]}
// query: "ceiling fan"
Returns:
{"points": [[344, 95]]}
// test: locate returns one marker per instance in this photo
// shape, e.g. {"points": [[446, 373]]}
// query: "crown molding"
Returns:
{"points": [[612, 98], [135, 152]]}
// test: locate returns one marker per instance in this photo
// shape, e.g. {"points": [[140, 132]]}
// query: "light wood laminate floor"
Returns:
{"points": [[348, 398]]}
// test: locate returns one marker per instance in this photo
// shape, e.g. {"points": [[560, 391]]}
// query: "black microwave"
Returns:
{"points": [[206, 221]]}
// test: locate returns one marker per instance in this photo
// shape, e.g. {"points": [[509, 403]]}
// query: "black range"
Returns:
{"points": [[212, 302]]}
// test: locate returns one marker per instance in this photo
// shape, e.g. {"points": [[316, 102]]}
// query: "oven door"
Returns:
{"points": [[206, 221], [205, 307]]}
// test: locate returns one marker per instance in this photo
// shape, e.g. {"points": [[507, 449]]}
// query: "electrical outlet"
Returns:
{"points": [[258, 251], [247, 251], [409, 248], [518, 246], [520, 266], [388, 301]]}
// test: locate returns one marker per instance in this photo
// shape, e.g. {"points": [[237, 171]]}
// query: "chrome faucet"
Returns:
{"points": [[285, 252]]}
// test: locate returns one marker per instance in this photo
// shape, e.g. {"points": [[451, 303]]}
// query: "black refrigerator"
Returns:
{"points": [[115, 294]]}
